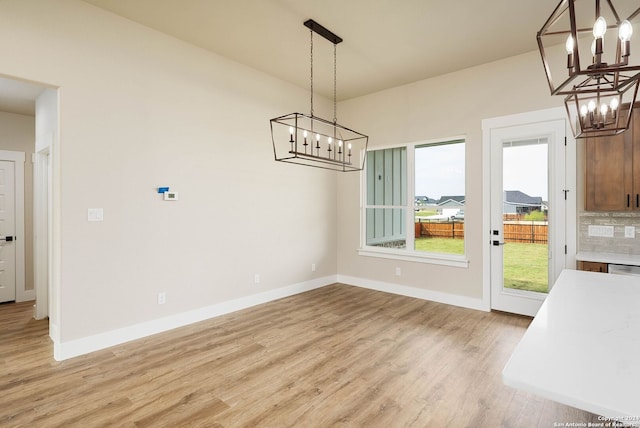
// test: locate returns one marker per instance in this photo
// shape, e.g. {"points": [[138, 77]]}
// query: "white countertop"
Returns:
{"points": [[582, 348], [621, 259]]}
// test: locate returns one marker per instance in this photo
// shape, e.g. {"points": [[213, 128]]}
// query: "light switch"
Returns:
{"points": [[601, 231], [95, 214]]}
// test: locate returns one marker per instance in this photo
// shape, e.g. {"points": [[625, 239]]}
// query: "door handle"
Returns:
{"points": [[497, 243], [6, 238]]}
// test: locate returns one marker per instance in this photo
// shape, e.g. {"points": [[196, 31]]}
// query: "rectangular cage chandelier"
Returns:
{"points": [[306, 139], [598, 80]]}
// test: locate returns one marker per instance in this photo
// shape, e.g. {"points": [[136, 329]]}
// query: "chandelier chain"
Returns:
{"points": [[335, 84], [311, 44]]}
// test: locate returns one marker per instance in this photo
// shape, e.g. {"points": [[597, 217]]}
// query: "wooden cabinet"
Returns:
{"points": [[593, 266], [612, 170]]}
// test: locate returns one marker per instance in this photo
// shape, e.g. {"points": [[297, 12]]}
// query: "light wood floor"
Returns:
{"points": [[336, 356]]}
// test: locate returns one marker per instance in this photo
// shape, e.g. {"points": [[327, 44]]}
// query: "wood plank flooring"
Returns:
{"points": [[336, 356]]}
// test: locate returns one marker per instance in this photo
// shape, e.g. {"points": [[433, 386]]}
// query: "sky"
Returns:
{"points": [[525, 169], [440, 170]]}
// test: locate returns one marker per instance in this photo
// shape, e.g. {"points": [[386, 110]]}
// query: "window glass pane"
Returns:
{"points": [[386, 187], [525, 214], [386, 227], [387, 177], [440, 197]]}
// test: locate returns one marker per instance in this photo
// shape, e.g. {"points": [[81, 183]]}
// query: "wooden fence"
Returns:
{"points": [[514, 231], [536, 232], [440, 229]]}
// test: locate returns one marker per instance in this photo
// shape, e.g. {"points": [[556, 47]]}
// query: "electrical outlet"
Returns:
{"points": [[162, 298], [95, 214], [629, 231], [256, 279], [313, 267], [398, 271]]}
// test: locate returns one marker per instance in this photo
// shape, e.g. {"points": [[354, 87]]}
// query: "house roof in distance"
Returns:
{"points": [[520, 198]]}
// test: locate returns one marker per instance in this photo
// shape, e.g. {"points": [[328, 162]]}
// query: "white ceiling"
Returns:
{"points": [[386, 42], [18, 97]]}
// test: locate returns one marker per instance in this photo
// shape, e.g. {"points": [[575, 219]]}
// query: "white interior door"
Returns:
{"points": [[527, 237], [7, 232]]}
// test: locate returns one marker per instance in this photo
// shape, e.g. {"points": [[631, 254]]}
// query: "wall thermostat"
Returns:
{"points": [[170, 196]]}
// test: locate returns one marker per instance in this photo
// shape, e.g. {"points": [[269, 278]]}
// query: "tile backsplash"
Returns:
{"points": [[618, 244]]}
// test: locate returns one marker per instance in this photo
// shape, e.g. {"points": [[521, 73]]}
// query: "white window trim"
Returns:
{"points": [[415, 256], [407, 254]]}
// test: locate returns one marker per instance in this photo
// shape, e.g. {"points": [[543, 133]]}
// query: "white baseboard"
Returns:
{"points": [[418, 293], [85, 345], [25, 295], [54, 334]]}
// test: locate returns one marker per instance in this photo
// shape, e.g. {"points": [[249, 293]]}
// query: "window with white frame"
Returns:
{"points": [[414, 198]]}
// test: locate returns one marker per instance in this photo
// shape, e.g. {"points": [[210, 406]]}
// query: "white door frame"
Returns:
{"points": [[569, 184], [18, 158], [42, 228]]}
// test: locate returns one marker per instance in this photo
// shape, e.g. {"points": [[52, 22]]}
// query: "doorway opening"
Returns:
{"points": [[530, 171], [29, 113]]}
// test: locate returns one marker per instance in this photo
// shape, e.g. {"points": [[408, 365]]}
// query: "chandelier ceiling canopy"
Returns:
{"points": [[306, 139], [586, 49]]}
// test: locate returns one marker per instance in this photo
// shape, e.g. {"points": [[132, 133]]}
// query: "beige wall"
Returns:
{"points": [[17, 133], [139, 110], [446, 106]]}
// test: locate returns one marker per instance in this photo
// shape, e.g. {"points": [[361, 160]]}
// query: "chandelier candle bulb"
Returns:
{"points": [[603, 114], [599, 30], [570, 46], [584, 110], [614, 107], [624, 33], [600, 27]]}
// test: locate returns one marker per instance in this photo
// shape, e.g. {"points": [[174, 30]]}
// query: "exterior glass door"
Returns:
{"points": [[527, 214]]}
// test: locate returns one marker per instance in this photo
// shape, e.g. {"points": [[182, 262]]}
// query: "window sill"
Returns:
{"points": [[431, 258]]}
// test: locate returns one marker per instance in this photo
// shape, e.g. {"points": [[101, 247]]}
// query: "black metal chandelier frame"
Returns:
{"points": [[613, 76], [600, 97], [309, 140]]}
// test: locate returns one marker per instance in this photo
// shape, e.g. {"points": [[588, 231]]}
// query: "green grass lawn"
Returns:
{"points": [[440, 245], [426, 213], [525, 265]]}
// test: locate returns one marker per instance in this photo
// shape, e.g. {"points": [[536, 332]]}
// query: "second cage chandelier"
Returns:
{"points": [[312, 141], [594, 73]]}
